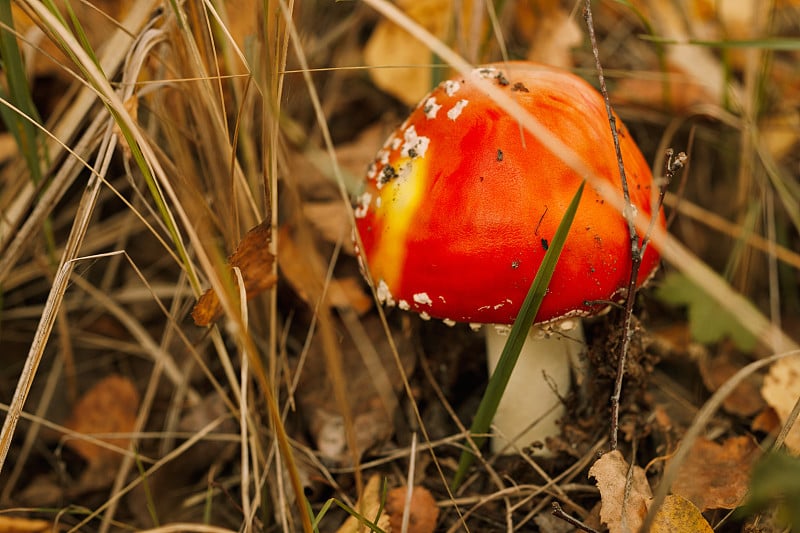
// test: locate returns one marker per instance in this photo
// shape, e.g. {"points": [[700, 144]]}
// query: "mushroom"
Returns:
{"points": [[458, 209]]}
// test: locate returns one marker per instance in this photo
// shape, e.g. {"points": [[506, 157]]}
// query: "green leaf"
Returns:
{"points": [[771, 43], [708, 321], [22, 122], [775, 480], [519, 332]]}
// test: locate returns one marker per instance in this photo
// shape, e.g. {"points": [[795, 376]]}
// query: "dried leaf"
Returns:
{"points": [[701, 68], [254, 260], [734, 20], [679, 514], [621, 511], [746, 399], [16, 524], [781, 390], [110, 406], [715, 476], [679, 91], [423, 514], [349, 292], [368, 506], [779, 132], [766, 421], [372, 382], [554, 33], [331, 220], [341, 293], [389, 46]]}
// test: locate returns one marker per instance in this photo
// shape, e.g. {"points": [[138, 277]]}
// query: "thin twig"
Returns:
{"points": [[672, 165], [636, 250], [558, 512]]}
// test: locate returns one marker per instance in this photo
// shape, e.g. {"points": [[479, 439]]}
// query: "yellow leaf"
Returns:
{"points": [[389, 45], [679, 514]]}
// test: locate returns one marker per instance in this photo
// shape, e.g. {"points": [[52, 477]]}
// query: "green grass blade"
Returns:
{"points": [[25, 133], [770, 43], [508, 359]]}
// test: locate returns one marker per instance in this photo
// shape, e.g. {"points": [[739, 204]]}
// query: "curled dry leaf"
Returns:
{"points": [[781, 390], [716, 476], [423, 512], [254, 260], [622, 510]]}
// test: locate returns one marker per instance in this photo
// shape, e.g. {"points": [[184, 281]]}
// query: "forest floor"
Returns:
{"points": [[148, 147]]}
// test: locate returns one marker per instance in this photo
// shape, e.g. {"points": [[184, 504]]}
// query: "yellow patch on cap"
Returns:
{"points": [[400, 198]]}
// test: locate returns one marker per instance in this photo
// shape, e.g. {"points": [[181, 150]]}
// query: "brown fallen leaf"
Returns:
{"points": [[332, 220], [254, 260], [403, 64], [341, 293], [423, 512], [716, 476], [746, 399], [109, 407], [679, 514], [372, 383], [622, 511], [553, 32], [766, 421], [676, 91], [781, 390]]}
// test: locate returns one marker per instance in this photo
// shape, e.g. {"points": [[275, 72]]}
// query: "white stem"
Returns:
{"points": [[530, 408]]}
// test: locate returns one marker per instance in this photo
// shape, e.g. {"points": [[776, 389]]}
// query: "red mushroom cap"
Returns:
{"points": [[460, 204]]}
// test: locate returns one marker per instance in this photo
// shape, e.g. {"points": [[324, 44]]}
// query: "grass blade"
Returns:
{"points": [[508, 359]]}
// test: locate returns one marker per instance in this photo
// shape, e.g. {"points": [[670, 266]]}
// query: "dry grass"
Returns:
{"points": [[175, 128]]}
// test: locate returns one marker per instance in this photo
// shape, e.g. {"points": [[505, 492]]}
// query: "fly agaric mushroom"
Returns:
{"points": [[459, 207]]}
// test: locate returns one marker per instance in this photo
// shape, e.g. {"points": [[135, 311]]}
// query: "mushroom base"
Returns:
{"points": [[531, 408]]}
